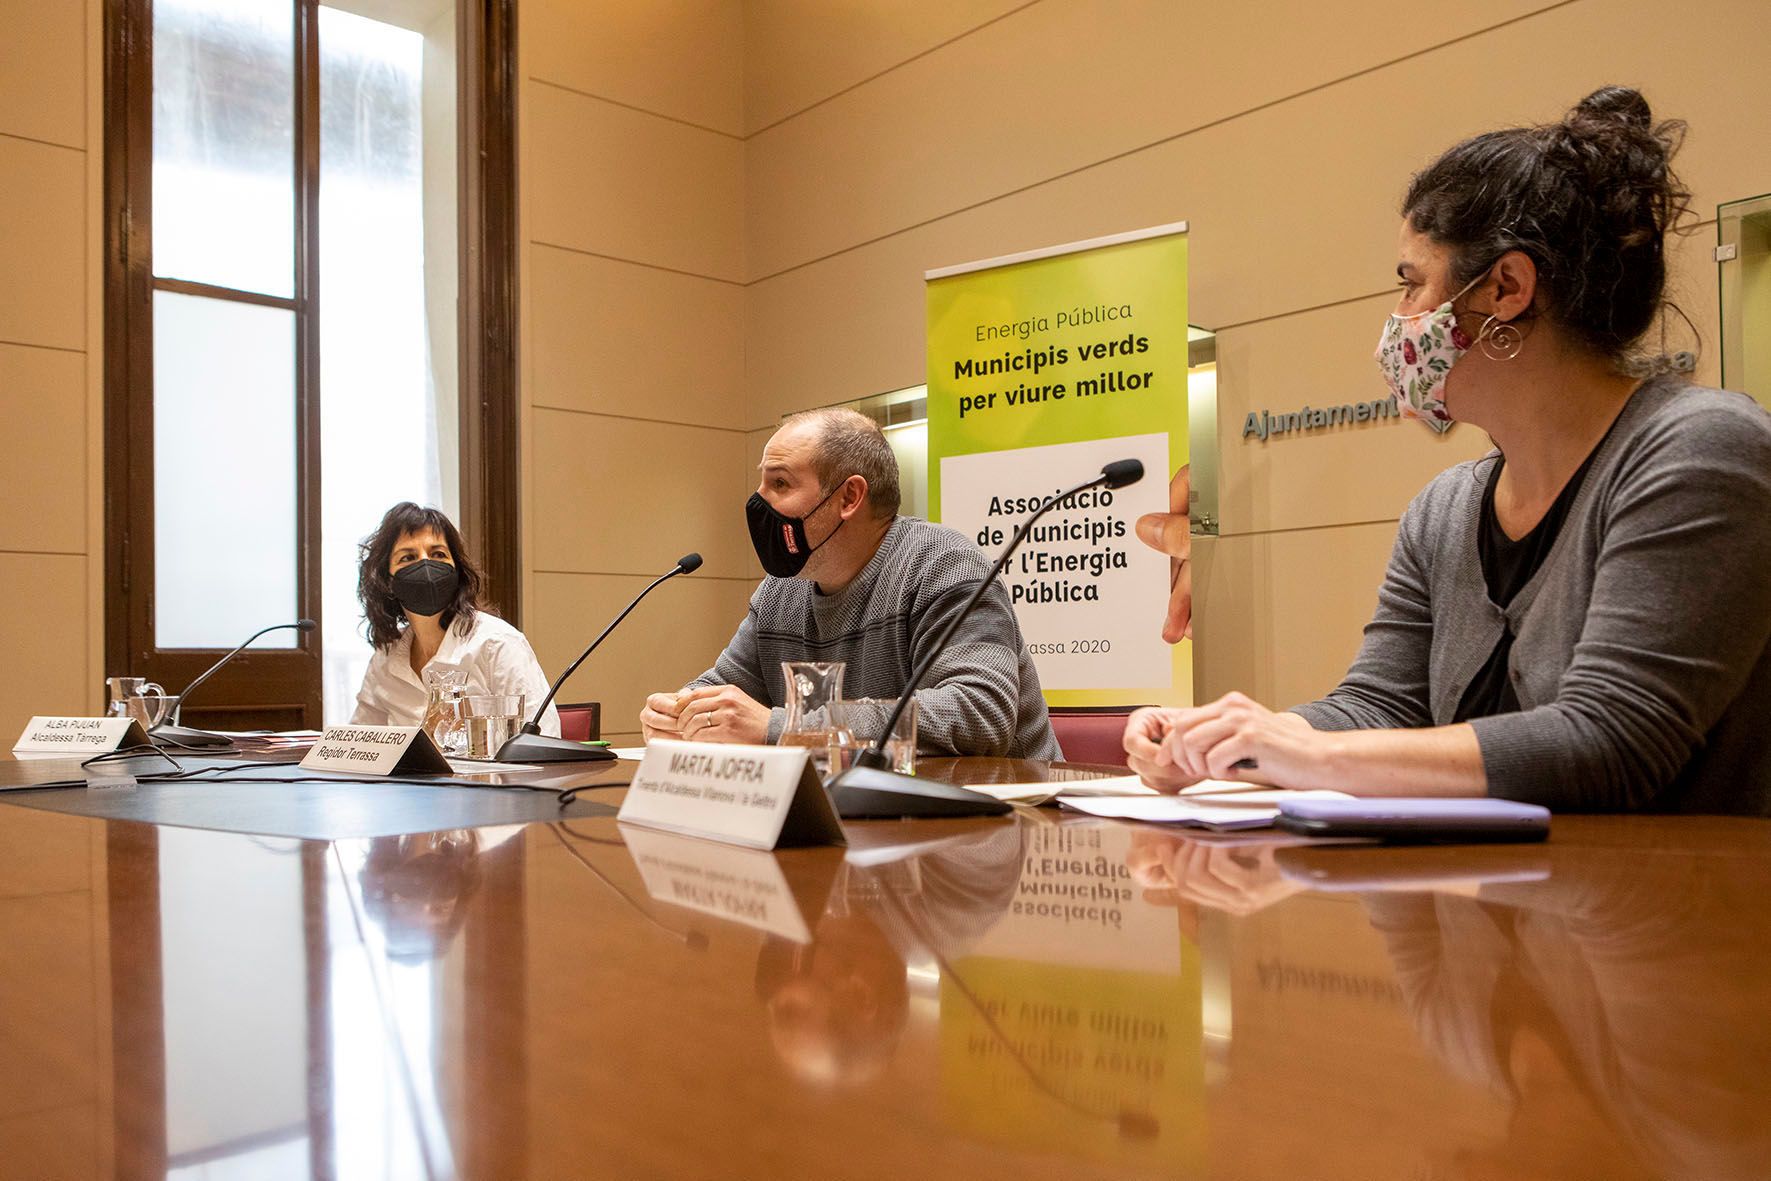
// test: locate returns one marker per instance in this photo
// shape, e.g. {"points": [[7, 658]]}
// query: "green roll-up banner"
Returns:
{"points": [[1043, 366]]}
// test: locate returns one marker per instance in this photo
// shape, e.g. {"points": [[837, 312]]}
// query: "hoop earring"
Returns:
{"points": [[1500, 341]]}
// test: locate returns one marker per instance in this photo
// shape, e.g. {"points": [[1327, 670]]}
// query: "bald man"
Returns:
{"points": [[851, 580]]}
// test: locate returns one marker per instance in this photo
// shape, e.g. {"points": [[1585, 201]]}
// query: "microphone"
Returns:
{"points": [[1119, 473], [177, 735], [532, 746], [868, 790]]}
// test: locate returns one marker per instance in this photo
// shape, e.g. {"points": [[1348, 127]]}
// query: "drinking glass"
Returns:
{"points": [[118, 691], [866, 715], [492, 720], [150, 709]]}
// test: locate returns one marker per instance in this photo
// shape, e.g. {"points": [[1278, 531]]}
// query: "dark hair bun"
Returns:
{"points": [[1590, 199], [1615, 104]]}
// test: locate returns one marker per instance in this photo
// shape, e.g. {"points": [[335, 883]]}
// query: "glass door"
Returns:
{"points": [[282, 321], [217, 418], [1743, 257]]}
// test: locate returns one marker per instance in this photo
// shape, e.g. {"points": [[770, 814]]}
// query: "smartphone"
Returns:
{"points": [[1412, 821]]}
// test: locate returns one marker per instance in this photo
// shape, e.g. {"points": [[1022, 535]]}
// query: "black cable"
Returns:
{"points": [[570, 795], [137, 750], [288, 779], [232, 748], [208, 775]]}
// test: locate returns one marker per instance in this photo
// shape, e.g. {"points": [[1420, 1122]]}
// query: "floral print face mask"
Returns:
{"points": [[1416, 354]]}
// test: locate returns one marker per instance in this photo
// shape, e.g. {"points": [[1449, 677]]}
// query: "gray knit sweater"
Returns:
{"points": [[1640, 657], [982, 696]]}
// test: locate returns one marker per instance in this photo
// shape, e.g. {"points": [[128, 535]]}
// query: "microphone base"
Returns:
{"points": [[867, 793], [181, 737], [538, 748]]}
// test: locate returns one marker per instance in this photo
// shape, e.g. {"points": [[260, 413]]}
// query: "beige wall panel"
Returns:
{"points": [[1295, 206], [617, 338], [672, 638], [43, 449], [1057, 87], [854, 324], [1279, 616], [60, 1144], [801, 52], [622, 496], [44, 642], [847, 327], [42, 245], [680, 58], [43, 70], [612, 181], [42, 852], [1365, 472], [754, 442], [48, 1044], [1286, 213]]}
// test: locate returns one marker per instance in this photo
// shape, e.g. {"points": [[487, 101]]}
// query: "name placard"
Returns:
{"points": [[376, 750], [745, 886], [762, 797], [79, 736]]}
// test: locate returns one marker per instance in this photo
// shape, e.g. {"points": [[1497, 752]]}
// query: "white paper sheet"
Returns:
{"points": [[1039, 793], [1223, 811]]}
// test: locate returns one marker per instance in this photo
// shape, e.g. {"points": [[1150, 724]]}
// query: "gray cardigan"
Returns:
{"points": [[1640, 654]]}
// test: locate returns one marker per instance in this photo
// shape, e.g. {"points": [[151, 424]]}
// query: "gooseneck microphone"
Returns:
{"points": [[175, 734], [532, 746], [867, 790]]}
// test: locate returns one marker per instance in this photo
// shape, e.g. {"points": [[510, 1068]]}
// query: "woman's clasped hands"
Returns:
{"points": [[1234, 738]]}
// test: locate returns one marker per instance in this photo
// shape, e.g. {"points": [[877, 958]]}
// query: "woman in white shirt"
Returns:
{"points": [[421, 600]]}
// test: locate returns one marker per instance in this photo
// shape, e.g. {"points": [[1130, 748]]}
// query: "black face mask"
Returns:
{"points": [[780, 541], [426, 587]]}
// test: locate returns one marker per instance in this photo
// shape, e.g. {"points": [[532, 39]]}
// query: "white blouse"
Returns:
{"points": [[495, 656]]}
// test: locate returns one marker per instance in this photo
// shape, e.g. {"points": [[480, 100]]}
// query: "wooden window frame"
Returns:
{"points": [[490, 458]]}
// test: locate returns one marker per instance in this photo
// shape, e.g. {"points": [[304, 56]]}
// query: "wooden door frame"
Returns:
{"points": [[491, 455], [490, 458]]}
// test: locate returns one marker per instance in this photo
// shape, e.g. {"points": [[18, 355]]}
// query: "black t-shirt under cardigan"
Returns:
{"points": [[1507, 565]]}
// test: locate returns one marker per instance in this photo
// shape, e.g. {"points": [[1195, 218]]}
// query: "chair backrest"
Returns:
{"points": [[581, 721], [1092, 735]]}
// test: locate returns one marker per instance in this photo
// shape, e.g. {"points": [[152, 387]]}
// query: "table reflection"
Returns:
{"points": [[1619, 1009], [1236, 876], [1045, 997], [416, 888], [836, 1006]]}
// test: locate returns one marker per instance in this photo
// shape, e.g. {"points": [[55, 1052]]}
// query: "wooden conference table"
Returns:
{"points": [[1035, 997]]}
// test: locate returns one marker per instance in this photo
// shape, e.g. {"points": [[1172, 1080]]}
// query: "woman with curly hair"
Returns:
{"points": [[421, 601], [1580, 618]]}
